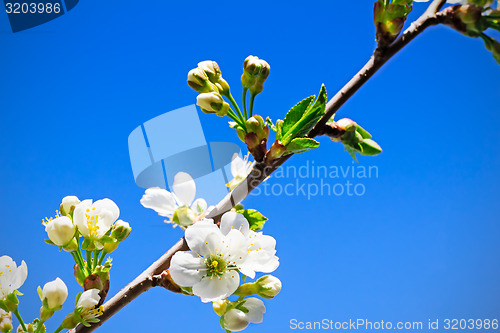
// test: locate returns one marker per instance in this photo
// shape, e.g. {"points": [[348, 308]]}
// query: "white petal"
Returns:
{"points": [[233, 220], [160, 200], [79, 216], [211, 289], [184, 188], [256, 309], [187, 268], [237, 165], [196, 235], [20, 276], [89, 299], [108, 205], [199, 206]]}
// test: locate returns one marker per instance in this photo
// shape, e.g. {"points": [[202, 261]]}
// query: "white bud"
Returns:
{"points": [[89, 299], [256, 309], [55, 293], [68, 202], [235, 320], [212, 103], [60, 230], [269, 286]]}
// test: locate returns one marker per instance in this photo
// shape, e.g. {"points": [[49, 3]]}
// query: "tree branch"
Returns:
{"points": [[260, 172]]}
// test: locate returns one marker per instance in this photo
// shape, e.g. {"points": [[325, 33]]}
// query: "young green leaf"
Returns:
{"points": [[279, 129], [269, 123], [255, 219], [300, 145], [296, 113], [308, 120]]}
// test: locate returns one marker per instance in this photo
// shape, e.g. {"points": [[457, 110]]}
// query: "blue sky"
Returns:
{"points": [[422, 242]]}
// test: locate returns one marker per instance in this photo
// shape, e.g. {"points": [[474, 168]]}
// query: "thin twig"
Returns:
{"points": [[260, 172]]}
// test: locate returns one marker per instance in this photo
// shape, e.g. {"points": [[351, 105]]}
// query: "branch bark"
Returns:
{"points": [[149, 277]]}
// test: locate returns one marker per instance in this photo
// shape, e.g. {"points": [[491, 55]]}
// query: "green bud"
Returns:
{"points": [[268, 286], [71, 246], [347, 125], [121, 230], [256, 124], [241, 134], [184, 216], [199, 81], [220, 306], [494, 46], [212, 103], [255, 73], [223, 87], [9, 303], [79, 274], [370, 148]]}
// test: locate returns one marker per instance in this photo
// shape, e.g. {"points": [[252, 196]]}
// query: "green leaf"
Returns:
{"points": [[370, 148], [300, 145], [254, 218], [39, 291], [296, 113], [279, 129], [270, 124], [309, 119], [364, 133], [48, 241]]}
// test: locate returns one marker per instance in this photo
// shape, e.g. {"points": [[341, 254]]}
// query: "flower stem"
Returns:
{"points": [[59, 329], [101, 259], [231, 115], [18, 316], [89, 261], [245, 102], [252, 98], [39, 327], [236, 107], [94, 261], [77, 259]]}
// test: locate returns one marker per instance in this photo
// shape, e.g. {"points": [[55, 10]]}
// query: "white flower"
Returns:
{"points": [[240, 168], [216, 257], [95, 219], [88, 302], [166, 203], [68, 202], [236, 320], [11, 276], [60, 230], [55, 293]]}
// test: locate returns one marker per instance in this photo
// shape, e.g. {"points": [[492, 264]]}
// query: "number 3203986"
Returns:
{"points": [[32, 8]]}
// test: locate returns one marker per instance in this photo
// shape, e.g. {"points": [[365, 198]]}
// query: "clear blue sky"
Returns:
{"points": [[421, 243]]}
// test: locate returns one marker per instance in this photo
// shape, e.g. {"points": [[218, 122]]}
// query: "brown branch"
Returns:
{"points": [[260, 172]]}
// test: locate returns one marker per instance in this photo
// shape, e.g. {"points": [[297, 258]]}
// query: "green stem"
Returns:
{"points": [[59, 329], [233, 117], [101, 259], [18, 316], [236, 107], [252, 98], [245, 102], [39, 327], [89, 261], [94, 261], [77, 259]]}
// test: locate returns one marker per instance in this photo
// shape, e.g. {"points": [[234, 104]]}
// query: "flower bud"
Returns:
{"points": [[255, 72], [268, 286], [223, 87], [60, 230], [184, 216], [212, 103], [220, 306], [347, 125], [494, 46], [235, 320], [199, 81], [211, 69], [55, 293], [275, 152], [68, 204], [5, 321], [93, 281], [88, 299], [121, 230], [79, 274]]}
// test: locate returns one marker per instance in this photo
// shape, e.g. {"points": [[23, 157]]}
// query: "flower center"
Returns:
{"points": [[92, 218], [216, 265]]}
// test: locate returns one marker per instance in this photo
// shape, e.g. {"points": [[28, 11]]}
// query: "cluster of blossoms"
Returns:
{"points": [[218, 255], [79, 225], [53, 295]]}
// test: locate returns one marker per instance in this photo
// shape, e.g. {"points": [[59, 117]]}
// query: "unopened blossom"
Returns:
{"points": [[5, 321], [268, 286], [60, 230], [12, 277], [68, 202], [95, 219], [55, 292], [180, 202], [236, 320], [240, 169], [216, 257]]}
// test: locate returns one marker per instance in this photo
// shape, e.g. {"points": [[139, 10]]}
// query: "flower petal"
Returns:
{"points": [[199, 206], [196, 236], [186, 268], [256, 309], [160, 200], [184, 188], [233, 220], [237, 165], [211, 289], [79, 216], [108, 205]]}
